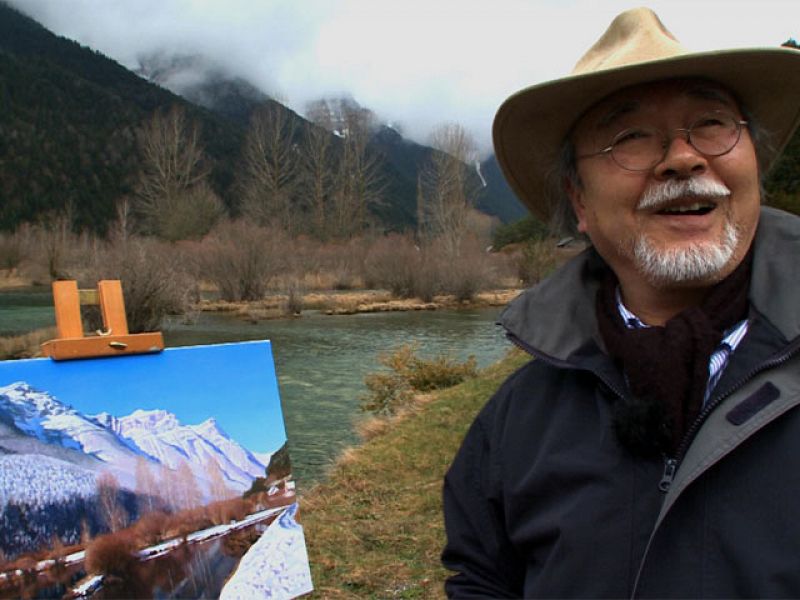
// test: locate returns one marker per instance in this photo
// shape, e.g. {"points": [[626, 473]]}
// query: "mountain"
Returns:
{"points": [[41, 416], [160, 435], [69, 118], [68, 122], [198, 80], [119, 444], [502, 202]]}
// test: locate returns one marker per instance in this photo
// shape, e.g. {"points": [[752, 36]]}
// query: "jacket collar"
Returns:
{"points": [[556, 318]]}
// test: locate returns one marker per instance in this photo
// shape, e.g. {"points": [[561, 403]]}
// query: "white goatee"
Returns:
{"points": [[696, 261]]}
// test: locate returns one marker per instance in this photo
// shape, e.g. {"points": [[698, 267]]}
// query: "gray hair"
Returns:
{"points": [[563, 221]]}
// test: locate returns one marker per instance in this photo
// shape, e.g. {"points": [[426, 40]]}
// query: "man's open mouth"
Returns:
{"points": [[695, 208]]}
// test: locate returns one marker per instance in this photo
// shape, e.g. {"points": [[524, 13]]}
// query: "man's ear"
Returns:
{"points": [[575, 195]]}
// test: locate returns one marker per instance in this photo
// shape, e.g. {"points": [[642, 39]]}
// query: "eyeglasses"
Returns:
{"points": [[642, 148]]}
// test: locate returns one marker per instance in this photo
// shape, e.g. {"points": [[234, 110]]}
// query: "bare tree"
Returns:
{"points": [[271, 165], [121, 229], [218, 489], [167, 486], [54, 237], [146, 487], [357, 183], [318, 166], [188, 492], [447, 188], [11, 252], [174, 198], [108, 501]]}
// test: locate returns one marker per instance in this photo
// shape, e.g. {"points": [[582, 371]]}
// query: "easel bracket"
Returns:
{"points": [[114, 340], [108, 345]]}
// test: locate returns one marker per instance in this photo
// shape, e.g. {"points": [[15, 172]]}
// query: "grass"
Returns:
{"points": [[374, 529], [26, 345]]}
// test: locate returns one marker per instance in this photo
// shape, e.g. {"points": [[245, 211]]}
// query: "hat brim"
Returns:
{"points": [[530, 126]]}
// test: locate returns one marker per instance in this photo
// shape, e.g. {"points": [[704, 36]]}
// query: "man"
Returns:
{"points": [[652, 448]]}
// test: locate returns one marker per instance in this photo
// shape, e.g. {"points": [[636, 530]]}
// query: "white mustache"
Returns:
{"points": [[659, 194]]}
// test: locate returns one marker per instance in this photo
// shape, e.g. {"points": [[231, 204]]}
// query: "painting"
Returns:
{"points": [[157, 475]]}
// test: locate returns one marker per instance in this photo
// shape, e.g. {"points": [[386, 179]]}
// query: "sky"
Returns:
{"points": [[233, 383], [417, 63]]}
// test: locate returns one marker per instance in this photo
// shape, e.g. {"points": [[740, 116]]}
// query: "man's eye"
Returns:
{"points": [[632, 136], [709, 122]]}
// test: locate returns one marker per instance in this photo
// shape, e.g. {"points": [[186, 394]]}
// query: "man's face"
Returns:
{"points": [[687, 221]]}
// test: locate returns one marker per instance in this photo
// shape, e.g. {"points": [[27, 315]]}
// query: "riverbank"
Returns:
{"points": [[374, 528], [329, 302], [351, 302]]}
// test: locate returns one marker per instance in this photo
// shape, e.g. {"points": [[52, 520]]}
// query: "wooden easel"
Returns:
{"points": [[113, 340]]}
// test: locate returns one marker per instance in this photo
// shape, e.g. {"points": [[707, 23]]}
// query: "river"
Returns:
{"points": [[321, 360]]}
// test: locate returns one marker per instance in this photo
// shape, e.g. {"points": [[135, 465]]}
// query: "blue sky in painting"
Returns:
{"points": [[234, 383]]}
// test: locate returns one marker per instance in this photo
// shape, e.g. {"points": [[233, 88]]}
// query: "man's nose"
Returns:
{"points": [[682, 160]]}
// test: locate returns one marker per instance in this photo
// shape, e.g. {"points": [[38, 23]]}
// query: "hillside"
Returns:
{"points": [[69, 118]]}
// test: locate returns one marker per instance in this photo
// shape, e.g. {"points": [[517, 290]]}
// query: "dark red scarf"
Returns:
{"points": [[667, 367]]}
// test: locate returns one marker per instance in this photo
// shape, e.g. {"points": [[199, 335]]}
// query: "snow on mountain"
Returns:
{"points": [[159, 434], [118, 443], [263, 457], [37, 414], [38, 480], [246, 460], [42, 416]]}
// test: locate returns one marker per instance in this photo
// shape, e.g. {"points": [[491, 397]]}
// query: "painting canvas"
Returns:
{"points": [[158, 475]]}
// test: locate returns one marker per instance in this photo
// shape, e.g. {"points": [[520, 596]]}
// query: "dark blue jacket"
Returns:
{"points": [[542, 501]]}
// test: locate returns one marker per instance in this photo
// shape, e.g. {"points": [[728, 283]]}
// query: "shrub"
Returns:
{"points": [[537, 259], [392, 263], [389, 391], [26, 345], [188, 215], [528, 228], [242, 258], [468, 273], [155, 282], [11, 253], [52, 250], [293, 303], [112, 554], [151, 528], [426, 274]]}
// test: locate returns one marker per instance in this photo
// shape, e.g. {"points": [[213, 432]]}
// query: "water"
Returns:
{"points": [[321, 360], [23, 310]]}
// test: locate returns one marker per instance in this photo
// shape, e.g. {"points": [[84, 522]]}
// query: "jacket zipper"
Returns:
{"points": [[671, 464]]}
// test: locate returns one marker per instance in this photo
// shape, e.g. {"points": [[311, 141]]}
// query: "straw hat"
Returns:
{"points": [[531, 125]]}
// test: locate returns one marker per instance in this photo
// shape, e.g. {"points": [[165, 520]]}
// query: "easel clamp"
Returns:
{"points": [[113, 340]]}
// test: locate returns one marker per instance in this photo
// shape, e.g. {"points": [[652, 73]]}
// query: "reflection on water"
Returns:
{"points": [[321, 360]]}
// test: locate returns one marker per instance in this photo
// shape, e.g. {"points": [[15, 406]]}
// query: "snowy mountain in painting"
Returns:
{"points": [[162, 436], [118, 443], [41, 416], [35, 480]]}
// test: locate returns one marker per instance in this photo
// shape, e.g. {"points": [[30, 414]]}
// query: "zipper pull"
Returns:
{"points": [[670, 466]]}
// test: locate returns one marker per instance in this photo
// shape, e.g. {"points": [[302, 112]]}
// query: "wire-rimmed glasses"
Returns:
{"points": [[641, 148]]}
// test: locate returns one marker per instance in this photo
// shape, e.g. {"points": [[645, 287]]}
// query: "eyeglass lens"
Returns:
{"points": [[641, 148]]}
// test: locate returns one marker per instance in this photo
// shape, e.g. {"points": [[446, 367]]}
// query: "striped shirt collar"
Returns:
{"points": [[719, 358]]}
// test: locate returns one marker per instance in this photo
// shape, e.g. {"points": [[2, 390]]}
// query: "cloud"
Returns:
{"points": [[415, 62]]}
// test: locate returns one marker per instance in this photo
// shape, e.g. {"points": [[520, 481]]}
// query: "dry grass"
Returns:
{"points": [[374, 529], [10, 279], [27, 345]]}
